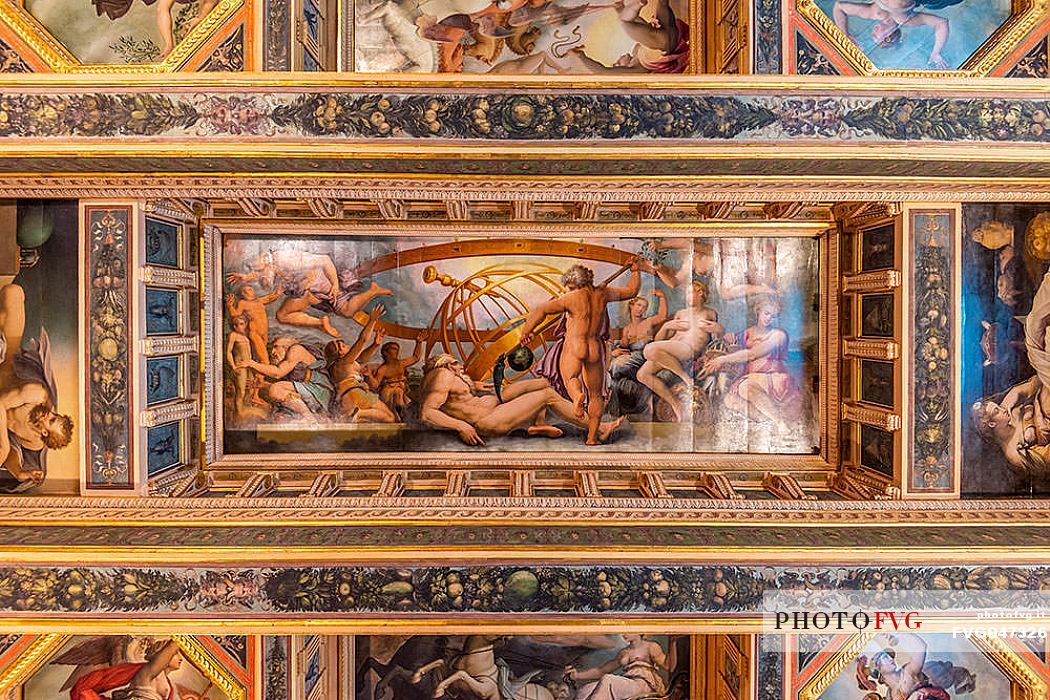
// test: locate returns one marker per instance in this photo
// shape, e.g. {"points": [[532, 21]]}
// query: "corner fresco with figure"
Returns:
{"points": [[39, 383], [119, 31], [120, 666], [522, 36], [371, 343], [917, 34], [1006, 355], [919, 667], [523, 667]]}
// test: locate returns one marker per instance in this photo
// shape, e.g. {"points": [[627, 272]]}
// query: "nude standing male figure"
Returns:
{"points": [[581, 353]]}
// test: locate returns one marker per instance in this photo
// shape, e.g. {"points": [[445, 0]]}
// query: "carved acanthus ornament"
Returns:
{"points": [[325, 207], [458, 484], [257, 207], [719, 486], [785, 487], [258, 486], [587, 484], [392, 209], [393, 484], [457, 209]]}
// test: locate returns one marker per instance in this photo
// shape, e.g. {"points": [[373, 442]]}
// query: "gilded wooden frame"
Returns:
{"points": [[212, 420], [347, 25]]}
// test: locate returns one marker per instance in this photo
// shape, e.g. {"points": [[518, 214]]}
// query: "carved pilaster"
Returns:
{"points": [[785, 487]]}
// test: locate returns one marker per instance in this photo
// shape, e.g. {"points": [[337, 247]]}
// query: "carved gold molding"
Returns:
{"points": [[523, 192], [42, 511], [184, 279], [883, 280], [199, 656], [1026, 682], [152, 417], [29, 661], [1028, 685], [169, 345], [871, 416], [871, 349], [45, 646], [834, 667]]}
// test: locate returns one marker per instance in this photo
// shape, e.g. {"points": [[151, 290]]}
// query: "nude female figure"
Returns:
{"points": [[677, 344]]}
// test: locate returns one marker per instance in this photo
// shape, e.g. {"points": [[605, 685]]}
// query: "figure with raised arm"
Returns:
{"points": [[574, 363], [677, 344]]}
